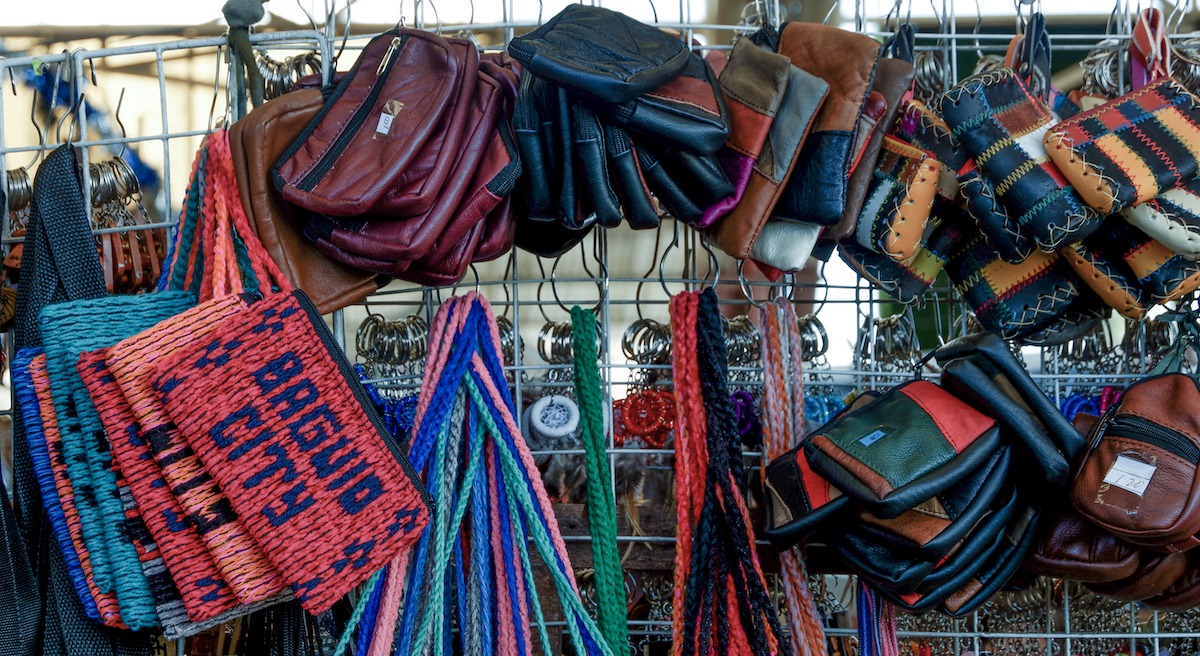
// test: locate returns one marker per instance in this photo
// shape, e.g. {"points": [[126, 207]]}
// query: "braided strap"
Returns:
{"points": [[469, 448], [783, 428]]}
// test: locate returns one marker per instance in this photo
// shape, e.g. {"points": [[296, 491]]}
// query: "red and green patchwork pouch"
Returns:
{"points": [[912, 443]]}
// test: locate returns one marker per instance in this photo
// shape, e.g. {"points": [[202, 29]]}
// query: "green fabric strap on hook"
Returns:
{"points": [[602, 512], [240, 15]]}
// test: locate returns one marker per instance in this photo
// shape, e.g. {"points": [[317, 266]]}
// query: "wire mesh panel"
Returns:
{"points": [[868, 340]]}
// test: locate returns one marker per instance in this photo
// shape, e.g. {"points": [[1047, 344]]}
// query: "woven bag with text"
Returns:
{"points": [[291, 436]]}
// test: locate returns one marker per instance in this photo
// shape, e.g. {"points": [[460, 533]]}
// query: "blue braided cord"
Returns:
{"points": [[438, 412], [506, 543], [168, 263], [415, 594], [481, 550], [533, 598], [460, 589], [356, 617], [39, 453], [366, 628]]}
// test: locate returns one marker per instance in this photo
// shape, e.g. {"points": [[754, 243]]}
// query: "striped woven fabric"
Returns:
{"points": [[1173, 218], [1132, 148], [149, 502], [69, 329], [242, 563], [45, 450], [1001, 124], [290, 435], [1013, 300], [895, 215]]}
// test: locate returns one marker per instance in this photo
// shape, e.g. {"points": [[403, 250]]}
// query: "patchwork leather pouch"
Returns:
{"points": [[641, 209], [924, 129], [1001, 230], [816, 190], [1001, 124], [1108, 276], [601, 53], [899, 199], [1164, 275], [913, 442], [1017, 540], [907, 282], [799, 501], [1131, 149], [1172, 218], [1014, 300], [687, 112], [1140, 479], [534, 117], [982, 370]]}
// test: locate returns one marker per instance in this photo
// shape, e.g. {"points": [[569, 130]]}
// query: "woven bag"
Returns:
{"points": [[289, 427]]}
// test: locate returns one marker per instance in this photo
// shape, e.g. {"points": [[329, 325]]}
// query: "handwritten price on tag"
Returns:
{"points": [[1129, 474]]}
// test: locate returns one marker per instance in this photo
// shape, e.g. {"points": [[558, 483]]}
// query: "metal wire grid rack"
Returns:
{"points": [[627, 276]]}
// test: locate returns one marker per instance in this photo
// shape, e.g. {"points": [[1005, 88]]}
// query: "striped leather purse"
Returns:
{"points": [[899, 199], [1173, 218], [1131, 149]]}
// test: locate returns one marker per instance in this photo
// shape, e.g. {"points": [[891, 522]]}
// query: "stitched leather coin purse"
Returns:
{"points": [[899, 199], [1172, 218], [1131, 149], [913, 442], [1001, 124]]}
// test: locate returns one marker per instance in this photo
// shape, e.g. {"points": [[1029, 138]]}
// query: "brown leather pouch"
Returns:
{"points": [[1154, 574], [1184, 593], [1140, 480], [1072, 548], [256, 143], [363, 149]]}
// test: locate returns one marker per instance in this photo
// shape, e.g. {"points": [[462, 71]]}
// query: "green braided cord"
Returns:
{"points": [[356, 616], [535, 601], [446, 521], [188, 223], [567, 595], [602, 507], [245, 267]]}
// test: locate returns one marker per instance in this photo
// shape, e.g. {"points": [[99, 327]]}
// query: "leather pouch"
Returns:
{"points": [[753, 83], [641, 209], [687, 112], [913, 442], [995, 574], [816, 190], [1108, 276], [686, 184], [1001, 124], [893, 81], [400, 96], [1183, 594], [257, 141], [1156, 572], [738, 233], [1140, 479], [899, 198], [907, 282], [1172, 219], [785, 245], [601, 53], [1072, 548], [1014, 300], [981, 369], [533, 118], [1164, 275], [1132, 148], [913, 543], [1001, 230], [592, 159]]}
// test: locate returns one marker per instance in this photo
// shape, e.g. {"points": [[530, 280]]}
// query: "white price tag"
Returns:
{"points": [[1129, 474], [385, 124]]}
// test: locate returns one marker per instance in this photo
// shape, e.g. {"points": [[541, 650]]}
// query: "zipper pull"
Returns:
{"points": [[387, 56]]}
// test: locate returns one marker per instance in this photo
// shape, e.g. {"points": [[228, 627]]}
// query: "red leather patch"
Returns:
{"points": [[815, 487], [959, 422]]}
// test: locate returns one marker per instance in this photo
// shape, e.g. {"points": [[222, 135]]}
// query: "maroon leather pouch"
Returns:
{"points": [[375, 125]]}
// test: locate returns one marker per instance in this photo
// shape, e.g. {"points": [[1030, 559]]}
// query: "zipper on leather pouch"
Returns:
{"points": [[335, 151], [1149, 432]]}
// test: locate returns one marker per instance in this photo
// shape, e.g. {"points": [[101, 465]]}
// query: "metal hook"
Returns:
{"points": [[117, 118], [714, 263], [829, 15], [662, 261], [37, 154], [212, 108], [637, 294], [654, 11], [746, 287], [70, 114], [476, 272]]}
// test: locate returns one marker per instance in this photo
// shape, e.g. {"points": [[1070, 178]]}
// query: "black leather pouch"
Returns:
{"points": [[626, 175], [533, 120], [601, 53], [591, 158]]}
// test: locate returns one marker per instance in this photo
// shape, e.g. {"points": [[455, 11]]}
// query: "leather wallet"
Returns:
{"points": [[1183, 594], [907, 282], [1000, 123], [816, 190], [995, 574], [738, 233], [913, 442], [895, 216], [1132, 148], [591, 157], [641, 209], [1172, 218], [687, 112], [1139, 479], [534, 118], [256, 142], [1164, 275], [1154, 575], [1070, 547], [1107, 276], [799, 501], [601, 53], [893, 82], [993, 220]]}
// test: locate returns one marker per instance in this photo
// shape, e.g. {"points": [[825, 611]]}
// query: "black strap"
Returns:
{"points": [[902, 45]]}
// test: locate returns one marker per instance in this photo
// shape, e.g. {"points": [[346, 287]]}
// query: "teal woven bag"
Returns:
{"points": [[68, 329]]}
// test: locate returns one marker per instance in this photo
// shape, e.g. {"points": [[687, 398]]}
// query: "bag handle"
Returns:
{"points": [[1149, 51]]}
